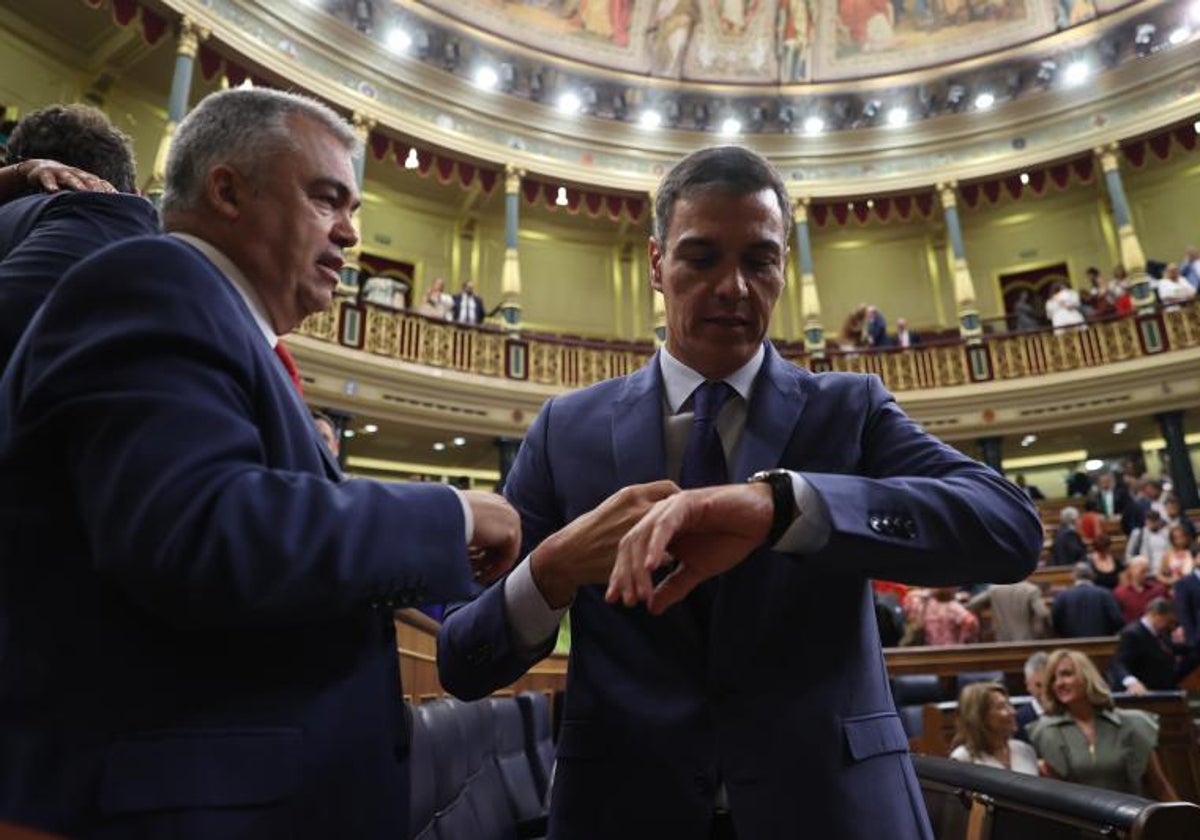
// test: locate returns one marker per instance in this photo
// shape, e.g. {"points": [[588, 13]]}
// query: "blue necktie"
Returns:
{"points": [[703, 463]]}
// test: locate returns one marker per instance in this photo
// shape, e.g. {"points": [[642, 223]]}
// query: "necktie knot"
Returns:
{"points": [[707, 400]]}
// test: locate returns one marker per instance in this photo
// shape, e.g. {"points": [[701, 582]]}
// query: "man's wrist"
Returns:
{"points": [[547, 575]]}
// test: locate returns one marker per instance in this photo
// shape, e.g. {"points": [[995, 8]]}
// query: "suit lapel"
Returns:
{"points": [[637, 428], [772, 415]]}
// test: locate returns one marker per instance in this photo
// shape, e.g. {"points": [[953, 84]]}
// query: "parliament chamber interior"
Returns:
{"points": [[993, 212]]}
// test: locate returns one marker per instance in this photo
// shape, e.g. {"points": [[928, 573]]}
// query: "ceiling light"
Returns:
{"points": [[1196, 126], [439, 446], [731, 126], [1143, 38], [870, 202], [1024, 177], [1178, 35], [561, 198], [460, 441], [398, 40], [486, 77], [1076, 73], [984, 101], [871, 109], [370, 428], [347, 433], [1046, 71], [814, 125], [411, 162], [1092, 464], [897, 116], [955, 95], [1029, 440], [1119, 427], [650, 119], [569, 103], [1195, 11]]}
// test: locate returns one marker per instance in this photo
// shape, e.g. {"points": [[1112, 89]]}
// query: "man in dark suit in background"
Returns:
{"points": [[468, 306], [44, 234], [761, 703], [1147, 659], [196, 616], [1085, 609]]}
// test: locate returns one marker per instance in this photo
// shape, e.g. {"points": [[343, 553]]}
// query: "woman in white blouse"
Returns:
{"points": [[986, 724]]}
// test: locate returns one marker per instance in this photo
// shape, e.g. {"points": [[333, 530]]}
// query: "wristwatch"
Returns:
{"points": [[784, 497]]}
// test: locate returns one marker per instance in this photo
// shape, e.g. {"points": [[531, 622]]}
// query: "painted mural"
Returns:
{"points": [[770, 41]]}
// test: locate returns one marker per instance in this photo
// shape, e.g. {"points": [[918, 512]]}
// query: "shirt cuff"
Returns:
{"points": [[530, 618], [810, 529], [468, 517], [1128, 680]]}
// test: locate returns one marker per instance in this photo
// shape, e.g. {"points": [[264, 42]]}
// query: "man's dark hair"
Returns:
{"points": [[1160, 606], [727, 169], [79, 136]]}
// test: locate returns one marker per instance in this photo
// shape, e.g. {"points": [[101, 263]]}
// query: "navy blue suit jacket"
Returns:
{"points": [[43, 235], [784, 696], [1187, 608], [196, 633], [1086, 610]]}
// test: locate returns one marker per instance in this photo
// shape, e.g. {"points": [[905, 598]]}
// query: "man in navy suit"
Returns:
{"points": [[1085, 609], [1147, 659], [44, 234], [196, 609], [468, 306], [760, 704]]}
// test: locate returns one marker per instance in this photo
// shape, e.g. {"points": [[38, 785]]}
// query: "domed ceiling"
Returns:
{"points": [[770, 41]]}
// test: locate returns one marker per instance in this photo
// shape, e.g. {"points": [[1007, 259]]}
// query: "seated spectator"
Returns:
{"points": [[904, 337], [874, 327], [1018, 611], [1173, 289], [1178, 560], [852, 334], [1035, 682], [1085, 609], [1063, 307], [1173, 515], [1148, 659], [1025, 312], [1138, 590], [1189, 267], [1031, 490], [383, 291], [947, 622], [1101, 296], [1120, 283], [1084, 738], [1150, 541], [1091, 522], [984, 730], [1106, 569], [1069, 547], [437, 303]]}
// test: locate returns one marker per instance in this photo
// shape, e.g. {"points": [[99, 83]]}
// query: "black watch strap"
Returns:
{"points": [[784, 497]]}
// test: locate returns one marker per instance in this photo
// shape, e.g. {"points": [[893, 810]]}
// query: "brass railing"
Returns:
{"points": [[570, 363]]}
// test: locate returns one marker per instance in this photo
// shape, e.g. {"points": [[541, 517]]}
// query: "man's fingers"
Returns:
{"points": [[672, 589]]}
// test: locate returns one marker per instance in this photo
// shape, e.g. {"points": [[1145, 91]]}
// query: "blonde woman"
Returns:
{"points": [[986, 724], [1084, 738], [436, 303]]}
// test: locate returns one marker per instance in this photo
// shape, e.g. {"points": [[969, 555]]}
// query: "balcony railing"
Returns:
{"points": [[566, 362]]}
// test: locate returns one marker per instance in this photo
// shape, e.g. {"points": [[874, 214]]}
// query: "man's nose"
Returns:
{"points": [[343, 232], [732, 283]]}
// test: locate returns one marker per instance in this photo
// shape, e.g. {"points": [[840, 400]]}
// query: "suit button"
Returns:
{"points": [[875, 523]]}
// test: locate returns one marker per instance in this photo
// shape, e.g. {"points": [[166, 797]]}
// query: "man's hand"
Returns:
{"points": [[497, 538], [1136, 687], [582, 553], [706, 532], [52, 176]]}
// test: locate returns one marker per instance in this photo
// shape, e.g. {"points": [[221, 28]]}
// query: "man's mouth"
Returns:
{"points": [[331, 266], [727, 321]]}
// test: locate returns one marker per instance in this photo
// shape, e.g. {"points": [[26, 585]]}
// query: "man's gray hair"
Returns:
{"points": [[241, 127], [1037, 662], [1068, 515]]}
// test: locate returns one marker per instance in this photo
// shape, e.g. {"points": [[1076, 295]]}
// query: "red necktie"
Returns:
{"points": [[289, 364]]}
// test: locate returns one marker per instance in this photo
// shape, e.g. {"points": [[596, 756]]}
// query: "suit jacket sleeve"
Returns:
{"points": [[176, 449], [1187, 607], [969, 524], [476, 652]]}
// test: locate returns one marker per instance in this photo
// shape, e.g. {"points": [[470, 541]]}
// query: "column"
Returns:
{"points": [[969, 326], [991, 452], [510, 274], [508, 448], [1130, 248], [1183, 479], [352, 268], [190, 36], [810, 305], [658, 300]]}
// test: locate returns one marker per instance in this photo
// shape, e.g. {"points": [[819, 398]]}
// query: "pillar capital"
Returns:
{"points": [[362, 125], [946, 192], [800, 208], [190, 36], [512, 178], [1107, 155]]}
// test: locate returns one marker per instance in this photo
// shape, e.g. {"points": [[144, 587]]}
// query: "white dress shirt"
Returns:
{"points": [[533, 621]]}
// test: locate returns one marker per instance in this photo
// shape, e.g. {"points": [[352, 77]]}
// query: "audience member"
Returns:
{"points": [[1173, 514], [984, 730], [1019, 612], [1031, 490], [851, 336], [1138, 589], [1189, 267], [1150, 541], [1063, 307], [904, 337], [874, 327], [45, 234], [1085, 609], [1120, 283], [383, 291], [437, 303], [1143, 501], [468, 306], [1187, 609], [327, 431], [197, 606], [1178, 560], [1069, 547], [1106, 569], [1173, 289], [1111, 497], [1026, 312], [1084, 738], [1147, 659], [1035, 684], [649, 721], [1091, 522], [946, 621], [1100, 297]]}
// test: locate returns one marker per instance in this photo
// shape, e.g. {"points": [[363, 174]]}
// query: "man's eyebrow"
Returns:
{"points": [[343, 191]]}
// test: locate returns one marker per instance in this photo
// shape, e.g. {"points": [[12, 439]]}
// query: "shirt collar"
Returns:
{"points": [[679, 380], [235, 276]]}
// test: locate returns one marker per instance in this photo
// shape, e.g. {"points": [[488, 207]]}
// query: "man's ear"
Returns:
{"points": [[656, 254], [225, 189]]}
